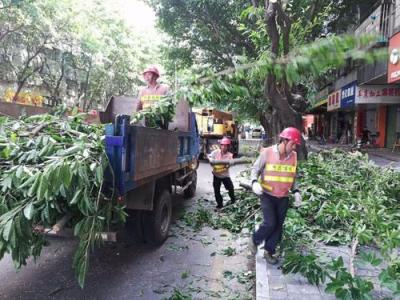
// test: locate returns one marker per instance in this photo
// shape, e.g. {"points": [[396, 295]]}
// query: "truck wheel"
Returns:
{"points": [[158, 221], [191, 190]]}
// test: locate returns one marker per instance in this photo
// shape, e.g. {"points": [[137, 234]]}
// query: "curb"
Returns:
{"points": [[262, 285]]}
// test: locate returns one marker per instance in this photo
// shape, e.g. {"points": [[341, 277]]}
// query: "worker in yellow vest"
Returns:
{"points": [[153, 91], [273, 176], [221, 171]]}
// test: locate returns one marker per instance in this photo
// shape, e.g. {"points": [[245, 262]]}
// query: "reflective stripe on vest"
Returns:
{"points": [[265, 186], [148, 100], [278, 175], [278, 178], [220, 168]]}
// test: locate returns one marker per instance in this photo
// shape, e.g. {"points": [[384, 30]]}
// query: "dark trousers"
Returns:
{"points": [[270, 231], [228, 184]]}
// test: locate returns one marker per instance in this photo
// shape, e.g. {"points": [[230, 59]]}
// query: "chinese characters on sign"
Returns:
{"points": [[334, 101], [378, 94], [348, 95]]}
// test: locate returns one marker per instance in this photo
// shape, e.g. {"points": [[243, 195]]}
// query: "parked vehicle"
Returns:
{"points": [[256, 133], [148, 165], [213, 126]]}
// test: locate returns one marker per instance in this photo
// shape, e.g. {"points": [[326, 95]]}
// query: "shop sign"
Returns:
{"points": [[394, 59], [348, 95], [385, 94], [334, 101]]}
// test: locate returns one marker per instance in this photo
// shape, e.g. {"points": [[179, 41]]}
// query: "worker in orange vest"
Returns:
{"points": [[153, 91], [221, 171], [273, 176]]}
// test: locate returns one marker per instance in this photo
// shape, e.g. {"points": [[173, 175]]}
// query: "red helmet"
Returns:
{"points": [[292, 134], [152, 69], [225, 141]]}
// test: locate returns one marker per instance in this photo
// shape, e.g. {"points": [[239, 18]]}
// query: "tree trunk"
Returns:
{"points": [[278, 94], [85, 93], [19, 88]]}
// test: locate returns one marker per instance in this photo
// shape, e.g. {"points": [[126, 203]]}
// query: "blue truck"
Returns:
{"points": [[148, 165]]}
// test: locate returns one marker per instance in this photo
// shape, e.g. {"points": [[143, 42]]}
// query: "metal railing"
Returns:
{"points": [[380, 21]]}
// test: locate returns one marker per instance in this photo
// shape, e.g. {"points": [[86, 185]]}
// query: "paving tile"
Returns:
{"points": [[303, 289], [305, 297], [274, 295]]}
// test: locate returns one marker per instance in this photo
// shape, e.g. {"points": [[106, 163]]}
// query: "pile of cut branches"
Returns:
{"points": [[159, 115], [348, 201], [52, 166]]}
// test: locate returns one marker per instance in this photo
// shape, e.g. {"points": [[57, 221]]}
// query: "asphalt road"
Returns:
{"points": [[188, 262]]}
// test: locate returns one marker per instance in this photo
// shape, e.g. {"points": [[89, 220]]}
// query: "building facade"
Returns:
{"points": [[366, 98]]}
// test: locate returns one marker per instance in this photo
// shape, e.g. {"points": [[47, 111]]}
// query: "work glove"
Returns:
{"points": [[297, 199], [257, 189]]}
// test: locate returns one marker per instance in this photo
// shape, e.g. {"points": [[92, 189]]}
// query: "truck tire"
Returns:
{"points": [[158, 221], [191, 190]]}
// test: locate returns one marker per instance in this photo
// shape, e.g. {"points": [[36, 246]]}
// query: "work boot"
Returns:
{"points": [[218, 208], [231, 202], [270, 258]]}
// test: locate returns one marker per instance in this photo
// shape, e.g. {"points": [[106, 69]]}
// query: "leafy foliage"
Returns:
{"points": [[348, 200], [179, 295], [51, 166], [160, 114], [80, 54]]}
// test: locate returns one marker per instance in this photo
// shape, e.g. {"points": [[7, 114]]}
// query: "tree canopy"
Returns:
{"points": [[281, 49], [71, 51]]}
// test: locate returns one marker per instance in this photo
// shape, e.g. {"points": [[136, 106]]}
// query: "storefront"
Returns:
{"points": [[393, 110], [319, 112], [346, 113], [377, 112]]}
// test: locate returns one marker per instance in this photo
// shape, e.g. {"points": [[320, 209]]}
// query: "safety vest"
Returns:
{"points": [[220, 169], [278, 175]]}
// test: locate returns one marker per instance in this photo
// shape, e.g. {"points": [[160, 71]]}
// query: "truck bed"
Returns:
{"points": [[139, 154]]}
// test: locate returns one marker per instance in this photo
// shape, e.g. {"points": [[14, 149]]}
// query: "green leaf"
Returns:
{"points": [[75, 198], [99, 174], [29, 211], [7, 183], [43, 185], [7, 229], [19, 172], [35, 185]]}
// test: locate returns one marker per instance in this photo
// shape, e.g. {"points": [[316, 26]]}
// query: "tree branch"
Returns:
{"points": [[285, 23], [272, 30]]}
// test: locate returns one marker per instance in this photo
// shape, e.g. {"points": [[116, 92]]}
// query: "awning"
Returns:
{"points": [[319, 107]]}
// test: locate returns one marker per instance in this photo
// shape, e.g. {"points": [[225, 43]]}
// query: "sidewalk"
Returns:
{"points": [[383, 157], [271, 284], [381, 152]]}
